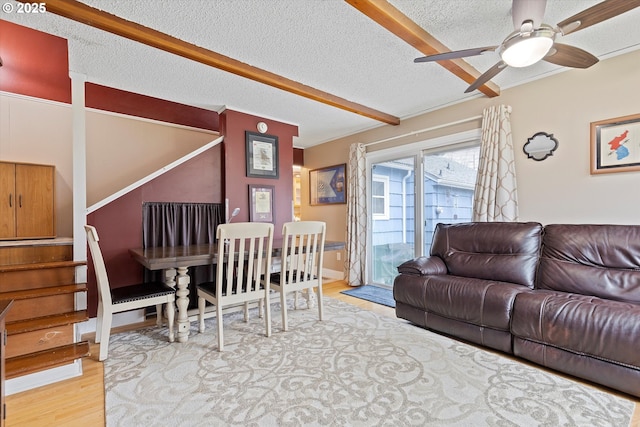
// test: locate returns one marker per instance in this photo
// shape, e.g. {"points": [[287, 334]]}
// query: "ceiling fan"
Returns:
{"points": [[533, 41]]}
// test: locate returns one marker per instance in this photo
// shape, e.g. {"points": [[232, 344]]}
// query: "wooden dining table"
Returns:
{"points": [[175, 262]]}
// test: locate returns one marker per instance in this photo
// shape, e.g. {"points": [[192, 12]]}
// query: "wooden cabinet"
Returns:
{"points": [[7, 200], [26, 201]]}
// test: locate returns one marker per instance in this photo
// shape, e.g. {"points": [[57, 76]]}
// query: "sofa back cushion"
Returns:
{"points": [[597, 260], [501, 251]]}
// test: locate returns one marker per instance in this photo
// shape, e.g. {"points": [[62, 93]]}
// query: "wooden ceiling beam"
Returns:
{"points": [[97, 18], [385, 14]]}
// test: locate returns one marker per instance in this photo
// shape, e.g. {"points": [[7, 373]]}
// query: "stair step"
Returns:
{"points": [[43, 292], [40, 265], [34, 324], [47, 359], [22, 280], [49, 250]]}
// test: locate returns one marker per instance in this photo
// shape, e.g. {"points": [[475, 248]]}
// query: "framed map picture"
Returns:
{"points": [[328, 185], [615, 145]]}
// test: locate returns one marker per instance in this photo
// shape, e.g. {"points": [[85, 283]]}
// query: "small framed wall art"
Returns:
{"points": [[328, 185], [615, 145], [262, 155], [261, 199]]}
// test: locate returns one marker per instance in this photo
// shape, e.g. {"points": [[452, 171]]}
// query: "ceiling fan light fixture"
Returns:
{"points": [[524, 49]]}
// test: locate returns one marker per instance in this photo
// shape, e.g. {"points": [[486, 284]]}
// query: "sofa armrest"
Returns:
{"points": [[423, 266]]}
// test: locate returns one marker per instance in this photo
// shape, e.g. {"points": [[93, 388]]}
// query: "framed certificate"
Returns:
{"points": [[262, 155], [261, 200]]}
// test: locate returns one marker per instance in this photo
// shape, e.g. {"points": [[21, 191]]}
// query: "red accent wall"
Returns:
{"points": [[34, 63], [298, 156], [119, 223], [120, 101], [233, 125]]}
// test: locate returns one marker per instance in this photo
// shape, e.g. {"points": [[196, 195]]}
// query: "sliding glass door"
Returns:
{"points": [[392, 215], [410, 190]]}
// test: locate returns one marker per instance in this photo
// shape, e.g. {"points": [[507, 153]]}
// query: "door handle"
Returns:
{"points": [[20, 201], [10, 200]]}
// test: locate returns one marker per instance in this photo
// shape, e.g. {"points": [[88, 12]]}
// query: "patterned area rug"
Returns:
{"points": [[355, 368], [372, 293]]}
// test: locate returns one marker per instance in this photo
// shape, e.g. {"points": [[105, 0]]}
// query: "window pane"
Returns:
{"points": [[377, 206], [449, 185], [377, 188], [393, 212]]}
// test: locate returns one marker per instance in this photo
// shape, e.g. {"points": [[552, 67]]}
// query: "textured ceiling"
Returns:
{"points": [[325, 44]]}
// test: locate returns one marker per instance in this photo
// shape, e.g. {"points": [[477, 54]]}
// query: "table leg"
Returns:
{"points": [[182, 300], [310, 296], [170, 280]]}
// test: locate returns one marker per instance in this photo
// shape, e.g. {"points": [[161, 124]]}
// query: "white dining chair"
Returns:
{"points": [[125, 298], [243, 260], [301, 260]]}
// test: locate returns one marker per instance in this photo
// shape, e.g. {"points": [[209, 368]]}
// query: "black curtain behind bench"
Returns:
{"points": [[179, 224]]}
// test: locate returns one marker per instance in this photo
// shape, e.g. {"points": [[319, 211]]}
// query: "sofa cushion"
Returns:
{"points": [[603, 329], [423, 266], [500, 251], [484, 303], [598, 260]]}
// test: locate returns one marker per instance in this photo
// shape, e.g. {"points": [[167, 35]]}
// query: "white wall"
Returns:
{"points": [[559, 189], [39, 131]]}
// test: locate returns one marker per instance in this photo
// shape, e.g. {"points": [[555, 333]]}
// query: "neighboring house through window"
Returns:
{"points": [[449, 184]]}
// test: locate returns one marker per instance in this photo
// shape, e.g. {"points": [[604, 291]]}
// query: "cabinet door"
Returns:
{"points": [[35, 202], [7, 200]]}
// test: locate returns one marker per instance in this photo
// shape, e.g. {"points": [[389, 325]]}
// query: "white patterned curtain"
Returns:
{"points": [[355, 260], [495, 196]]}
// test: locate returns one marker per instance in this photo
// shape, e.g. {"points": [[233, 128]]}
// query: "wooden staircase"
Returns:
{"points": [[40, 277]]}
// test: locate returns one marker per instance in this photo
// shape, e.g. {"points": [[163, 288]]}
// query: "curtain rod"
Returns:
{"points": [[415, 132]]}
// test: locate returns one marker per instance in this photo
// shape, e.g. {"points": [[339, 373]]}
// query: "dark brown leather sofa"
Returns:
{"points": [[563, 296]]}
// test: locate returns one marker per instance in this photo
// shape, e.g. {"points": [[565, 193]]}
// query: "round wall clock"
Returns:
{"points": [[262, 127]]}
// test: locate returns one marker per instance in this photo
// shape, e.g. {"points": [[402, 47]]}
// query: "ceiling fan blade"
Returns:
{"points": [[523, 10], [488, 75], [595, 14], [570, 56], [456, 54]]}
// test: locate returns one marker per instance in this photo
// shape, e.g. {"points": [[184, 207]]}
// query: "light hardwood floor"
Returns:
{"points": [[80, 401]]}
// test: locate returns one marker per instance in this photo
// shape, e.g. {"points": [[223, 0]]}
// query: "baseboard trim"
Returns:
{"points": [[332, 274], [119, 320], [39, 379]]}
